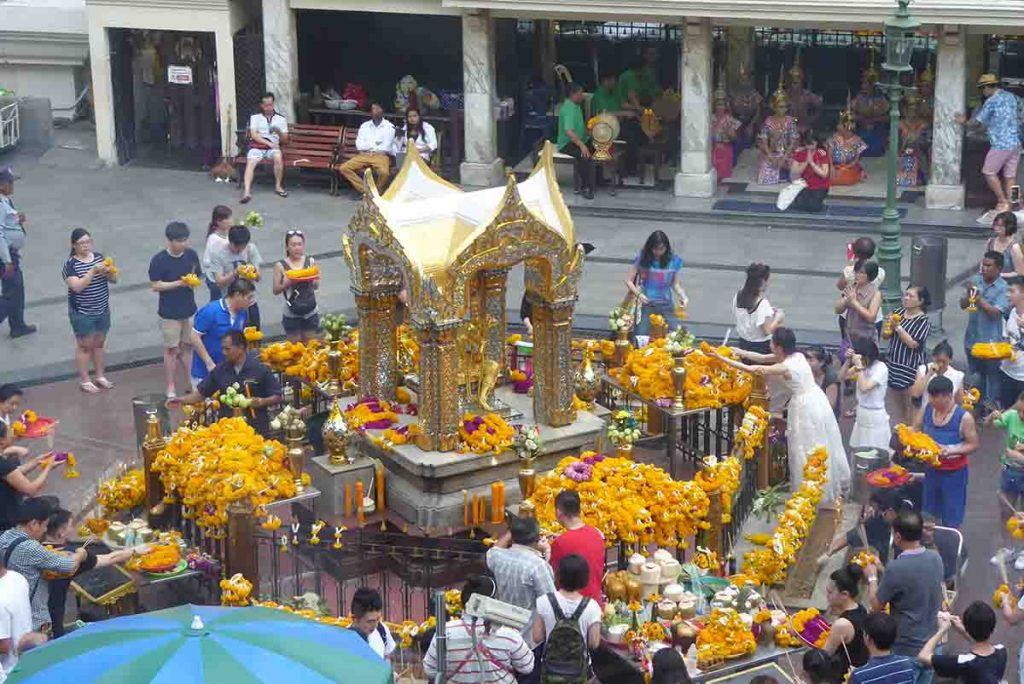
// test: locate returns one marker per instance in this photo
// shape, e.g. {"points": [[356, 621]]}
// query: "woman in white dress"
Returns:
{"points": [[810, 421], [871, 429]]}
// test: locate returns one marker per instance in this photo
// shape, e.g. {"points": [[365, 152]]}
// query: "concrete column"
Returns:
{"points": [[739, 52], [696, 177], [482, 167], [102, 91], [281, 55], [945, 186], [228, 115]]}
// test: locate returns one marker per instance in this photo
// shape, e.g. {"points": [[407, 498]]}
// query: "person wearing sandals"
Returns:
{"points": [[300, 318], [267, 131], [216, 239], [88, 278]]}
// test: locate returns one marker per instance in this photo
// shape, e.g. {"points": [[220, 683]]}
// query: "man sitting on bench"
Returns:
{"points": [[374, 142], [267, 131]]}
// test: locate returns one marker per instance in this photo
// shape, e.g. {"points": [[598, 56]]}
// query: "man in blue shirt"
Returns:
{"points": [[987, 296], [213, 321], [1000, 115], [883, 667]]}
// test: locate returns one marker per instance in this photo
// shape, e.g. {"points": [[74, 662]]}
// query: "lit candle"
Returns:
{"points": [[465, 508], [348, 500], [380, 488], [359, 501]]}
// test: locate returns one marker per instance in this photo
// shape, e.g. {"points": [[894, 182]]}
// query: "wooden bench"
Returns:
{"points": [[309, 146]]}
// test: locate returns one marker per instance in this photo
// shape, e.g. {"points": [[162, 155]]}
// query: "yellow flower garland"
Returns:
{"points": [[992, 350], [213, 466], [724, 636], [771, 563], [124, 492], [752, 433], [918, 445], [627, 501], [723, 480], [492, 435]]}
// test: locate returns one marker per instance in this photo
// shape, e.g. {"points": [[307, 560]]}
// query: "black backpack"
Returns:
{"points": [[566, 655], [301, 301]]}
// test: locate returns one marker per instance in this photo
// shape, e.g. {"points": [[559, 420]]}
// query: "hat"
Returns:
{"points": [[987, 80], [6, 175]]}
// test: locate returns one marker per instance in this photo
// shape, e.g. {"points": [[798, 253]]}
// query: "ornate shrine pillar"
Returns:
{"points": [[552, 362], [945, 188], [438, 392], [281, 55], [492, 286], [378, 342], [696, 177]]}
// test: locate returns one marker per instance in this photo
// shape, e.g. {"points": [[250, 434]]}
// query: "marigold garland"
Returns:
{"points": [[771, 563], [486, 434], [370, 414], [1002, 593], [995, 351], [123, 492], [627, 501], [864, 559], [213, 466], [235, 591], [724, 636], [721, 479], [752, 432], [1015, 527], [918, 445], [802, 619]]}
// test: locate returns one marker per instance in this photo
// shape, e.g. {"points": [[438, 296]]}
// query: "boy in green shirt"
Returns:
{"points": [[1011, 479], [606, 98], [572, 140]]}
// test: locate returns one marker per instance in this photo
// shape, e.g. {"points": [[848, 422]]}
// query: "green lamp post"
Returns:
{"points": [[900, 33]]}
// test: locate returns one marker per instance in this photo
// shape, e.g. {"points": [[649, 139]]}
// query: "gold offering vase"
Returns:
{"points": [[336, 435], [678, 381], [334, 373], [624, 451], [296, 455], [527, 478], [586, 382], [621, 346], [603, 150], [658, 331]]}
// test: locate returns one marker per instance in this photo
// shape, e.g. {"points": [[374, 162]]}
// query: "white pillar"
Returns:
{"points": [[696, 177], [281, 55], [227, 117], [482, 167], [945, 188], [102, 91]]}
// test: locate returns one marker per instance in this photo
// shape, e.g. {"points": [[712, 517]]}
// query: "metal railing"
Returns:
{"points": [[10, 126]]}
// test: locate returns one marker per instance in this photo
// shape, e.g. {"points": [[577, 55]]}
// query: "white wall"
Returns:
{"points": [[54, 82]]}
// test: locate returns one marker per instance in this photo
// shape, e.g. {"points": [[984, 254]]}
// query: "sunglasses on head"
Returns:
{"points": [[294, 232]]}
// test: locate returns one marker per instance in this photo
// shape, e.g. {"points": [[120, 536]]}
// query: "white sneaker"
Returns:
{"points": [[1018, 563], [1002, 556]]}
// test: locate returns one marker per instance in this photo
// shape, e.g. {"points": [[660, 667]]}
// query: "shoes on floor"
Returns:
{"points": [[27, 330]]}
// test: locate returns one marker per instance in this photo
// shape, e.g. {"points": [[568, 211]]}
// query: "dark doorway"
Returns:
{"points": [[163, 85]]}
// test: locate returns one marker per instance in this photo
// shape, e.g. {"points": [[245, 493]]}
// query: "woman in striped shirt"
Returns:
{"points": [[88, 278], [907, 352]]}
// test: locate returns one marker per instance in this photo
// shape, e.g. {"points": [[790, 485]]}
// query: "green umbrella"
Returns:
{"points": [[197, 644]]}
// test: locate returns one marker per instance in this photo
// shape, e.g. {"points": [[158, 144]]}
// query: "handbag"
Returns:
{"points": [[788, 194]]}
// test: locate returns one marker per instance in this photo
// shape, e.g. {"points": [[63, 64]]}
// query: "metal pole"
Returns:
{"points": [[889, 250], [441, 637]]}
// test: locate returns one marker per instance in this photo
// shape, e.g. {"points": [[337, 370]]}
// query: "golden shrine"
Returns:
{"points": [[451, 252]]}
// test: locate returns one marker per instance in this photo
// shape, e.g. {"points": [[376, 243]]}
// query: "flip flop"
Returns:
{"points": [[88, 387], [281, 193], [104, 383], [245, 200]]}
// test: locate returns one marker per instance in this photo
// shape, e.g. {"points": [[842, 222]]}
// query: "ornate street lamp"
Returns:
{"points": [[900, 34]]}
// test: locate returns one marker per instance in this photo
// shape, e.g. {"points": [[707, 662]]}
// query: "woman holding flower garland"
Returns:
{"points": [[216, 240], [300, 318], [88, 276], [864, 366], [654, 281], [810, 421]]}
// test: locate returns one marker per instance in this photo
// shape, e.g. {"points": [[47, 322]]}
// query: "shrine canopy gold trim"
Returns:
{"points": [[435, 221]]}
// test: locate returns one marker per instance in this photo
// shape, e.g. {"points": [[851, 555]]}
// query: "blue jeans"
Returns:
{"points": [[987, 377], [1011, 482], [667, 311]]}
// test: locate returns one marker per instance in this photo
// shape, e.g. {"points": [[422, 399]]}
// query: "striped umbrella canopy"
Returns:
{"points": [[205, 644]]}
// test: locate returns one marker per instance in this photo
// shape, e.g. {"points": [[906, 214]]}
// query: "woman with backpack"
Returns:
{"points": [[300, 318], [568, 624]]}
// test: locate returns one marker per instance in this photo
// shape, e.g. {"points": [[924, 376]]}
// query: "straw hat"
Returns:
{"points": [[987, 80]]}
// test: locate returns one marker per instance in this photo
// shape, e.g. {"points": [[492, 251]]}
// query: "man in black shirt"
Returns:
{"points": [[167, 271], [985, 663], [255, 380]]}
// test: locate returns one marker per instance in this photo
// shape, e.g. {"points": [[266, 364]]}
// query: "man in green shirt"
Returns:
{"points": [[572, 140], [607, 97], [638, 85]]}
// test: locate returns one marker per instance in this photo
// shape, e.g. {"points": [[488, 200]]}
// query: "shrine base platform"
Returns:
{"points": [[425, 488]]}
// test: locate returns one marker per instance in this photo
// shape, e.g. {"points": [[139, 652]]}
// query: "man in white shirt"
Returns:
{"points": [[375, 141], [16, 635], [267, 130]]}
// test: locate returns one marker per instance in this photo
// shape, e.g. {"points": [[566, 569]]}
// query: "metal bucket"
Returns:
{"points": [[140, 406], [866, 460]]}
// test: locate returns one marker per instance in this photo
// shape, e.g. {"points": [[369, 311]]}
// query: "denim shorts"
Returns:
{"points": [[1011, 482], [85, 325]]}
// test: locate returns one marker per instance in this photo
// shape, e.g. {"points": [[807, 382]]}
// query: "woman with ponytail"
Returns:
{"points": [[216, 240], [846, 639]]}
